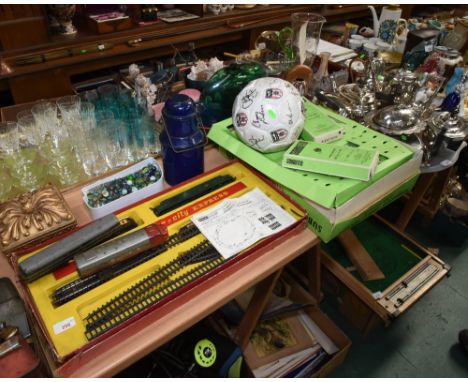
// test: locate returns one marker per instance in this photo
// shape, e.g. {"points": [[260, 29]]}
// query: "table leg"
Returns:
{"points": [[413, 201], [364, 263], [256, 307], [314, 272]]}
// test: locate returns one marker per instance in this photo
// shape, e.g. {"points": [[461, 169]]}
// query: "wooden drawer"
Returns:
{"points": [[410, 270]]}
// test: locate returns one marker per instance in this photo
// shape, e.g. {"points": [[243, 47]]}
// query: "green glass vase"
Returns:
{"points": [[221, 90]]}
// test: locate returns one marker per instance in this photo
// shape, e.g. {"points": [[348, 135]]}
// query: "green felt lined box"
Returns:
{"points": [[410, 270], [343, 161]]}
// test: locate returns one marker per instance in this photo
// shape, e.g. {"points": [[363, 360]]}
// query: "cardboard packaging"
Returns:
{"points": [[329, 222], [299, 295], [65, 327], [319, 126], [295, 292], [334, 204], [342, 161], [328, 191]]}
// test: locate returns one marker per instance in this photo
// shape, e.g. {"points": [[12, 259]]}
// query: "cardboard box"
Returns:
{"points": [[320, 127], [295, 292], [300, 295], [341, 161], [64, 327], [334, 204], [327, 191], [327, 223]]}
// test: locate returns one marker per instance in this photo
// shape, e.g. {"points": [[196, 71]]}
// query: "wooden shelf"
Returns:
{"points": [[52, 78], [86, 36]]}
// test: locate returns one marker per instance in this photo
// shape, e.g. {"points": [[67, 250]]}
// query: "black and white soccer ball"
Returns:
{"points": [[268, 114]]}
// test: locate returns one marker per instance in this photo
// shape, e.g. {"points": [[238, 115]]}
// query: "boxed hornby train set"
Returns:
{"points": [[83, 299]]}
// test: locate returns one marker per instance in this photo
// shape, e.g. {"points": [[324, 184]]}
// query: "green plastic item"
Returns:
{"points": [[325, 190], [205, 353], [221, 90]]}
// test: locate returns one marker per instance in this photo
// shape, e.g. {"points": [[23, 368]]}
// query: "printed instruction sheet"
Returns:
{"points": [[235, 224]]}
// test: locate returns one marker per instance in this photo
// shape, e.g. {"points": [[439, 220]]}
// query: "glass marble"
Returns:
{"points": [[115, 189]]}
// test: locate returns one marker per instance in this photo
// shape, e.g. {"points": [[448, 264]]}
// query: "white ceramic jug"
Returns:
{"points": [[385, 27]]}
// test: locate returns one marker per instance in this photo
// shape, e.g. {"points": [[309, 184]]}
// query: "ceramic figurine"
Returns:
{"points": [[454, 80], [146, 91], [133, 71], [430, 65], [214, 9], [453, 101], [61, 16]]}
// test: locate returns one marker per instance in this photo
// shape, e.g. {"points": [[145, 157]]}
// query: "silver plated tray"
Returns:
{"points": [[395, 121]]}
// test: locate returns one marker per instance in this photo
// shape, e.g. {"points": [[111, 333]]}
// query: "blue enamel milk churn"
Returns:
{"points": [[182, 140]]}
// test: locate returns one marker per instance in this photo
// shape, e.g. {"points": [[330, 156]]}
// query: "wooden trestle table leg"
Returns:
{"points": [[255, 309], [263, 292], [313, 259], [364, 263], [413, 201]]}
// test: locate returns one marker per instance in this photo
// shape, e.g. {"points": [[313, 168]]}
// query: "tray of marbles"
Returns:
{"points": [[123, 188]]}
